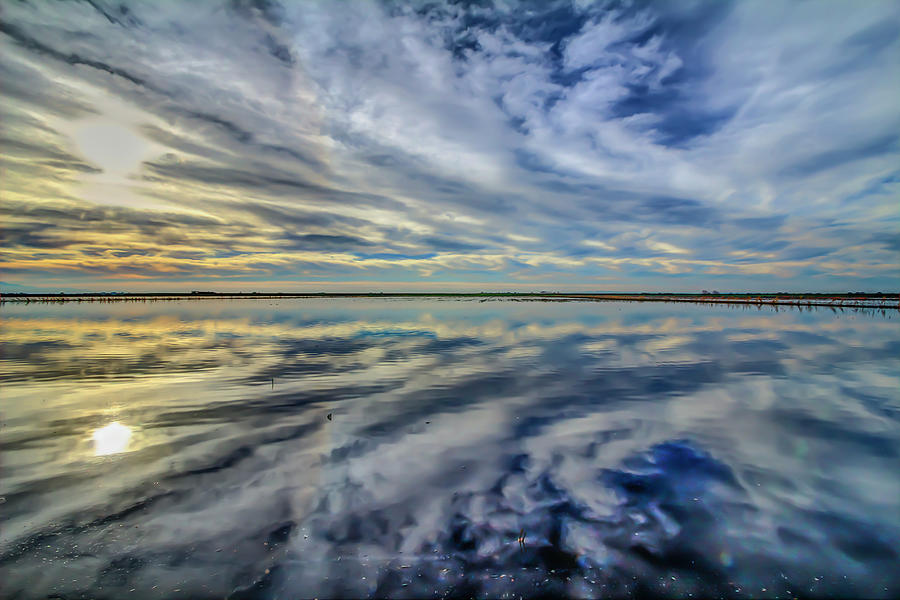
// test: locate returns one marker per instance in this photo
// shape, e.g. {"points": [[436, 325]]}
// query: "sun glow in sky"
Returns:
{"points": [[311, 146], [112, 147]]}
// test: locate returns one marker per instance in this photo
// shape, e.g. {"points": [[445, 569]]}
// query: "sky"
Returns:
{"points": [[450, 146]]}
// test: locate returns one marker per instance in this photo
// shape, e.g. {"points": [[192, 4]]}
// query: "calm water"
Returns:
{"points": [[276, 449]]}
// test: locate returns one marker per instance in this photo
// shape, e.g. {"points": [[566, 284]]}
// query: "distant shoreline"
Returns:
{"points": [[876, 300]]}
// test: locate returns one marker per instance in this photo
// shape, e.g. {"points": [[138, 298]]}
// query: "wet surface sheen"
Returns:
{"points": [[426, 448]]}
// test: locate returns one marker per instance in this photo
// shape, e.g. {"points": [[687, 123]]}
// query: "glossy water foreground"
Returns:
{"points": [[425, 448]]}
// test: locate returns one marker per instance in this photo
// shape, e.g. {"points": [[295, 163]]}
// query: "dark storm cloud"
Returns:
{"points": [[268, 10], [878, 146], [262, 179], [442, 243], [32, 88], [74, 217], [315, 241], [293, 217], [34, 45], [890, 241], [117, 15], [244, 137], [44, 156]]}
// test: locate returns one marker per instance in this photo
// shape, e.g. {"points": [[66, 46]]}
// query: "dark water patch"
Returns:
{"points": [[840, 434], [278, 402], [477, 549], [30, 351]]}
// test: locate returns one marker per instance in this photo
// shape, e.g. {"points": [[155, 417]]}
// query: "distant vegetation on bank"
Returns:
{"points": [[846, 299]]}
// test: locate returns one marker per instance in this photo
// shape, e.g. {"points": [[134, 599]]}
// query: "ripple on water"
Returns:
{"points": [[408, 449]]}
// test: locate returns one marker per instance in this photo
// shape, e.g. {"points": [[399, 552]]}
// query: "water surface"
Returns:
{"points": [[428, 448]]}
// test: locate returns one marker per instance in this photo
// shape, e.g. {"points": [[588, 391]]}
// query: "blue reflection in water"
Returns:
{"points": [[410, 448]]}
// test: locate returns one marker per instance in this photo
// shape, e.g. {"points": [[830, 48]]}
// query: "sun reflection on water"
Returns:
{"points": [[111, 439]]}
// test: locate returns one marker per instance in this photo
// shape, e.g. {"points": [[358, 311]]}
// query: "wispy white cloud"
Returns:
{"points": [[496, 143]]}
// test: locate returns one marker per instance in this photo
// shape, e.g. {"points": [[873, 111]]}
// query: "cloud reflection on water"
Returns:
{"points": [[633, 444]]}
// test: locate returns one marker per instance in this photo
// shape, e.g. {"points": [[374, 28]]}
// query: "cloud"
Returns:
{"points": [[666, 248], [694, 144]]}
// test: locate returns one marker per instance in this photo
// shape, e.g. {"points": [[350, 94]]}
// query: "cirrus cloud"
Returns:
{"points": [[457, 145]]}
